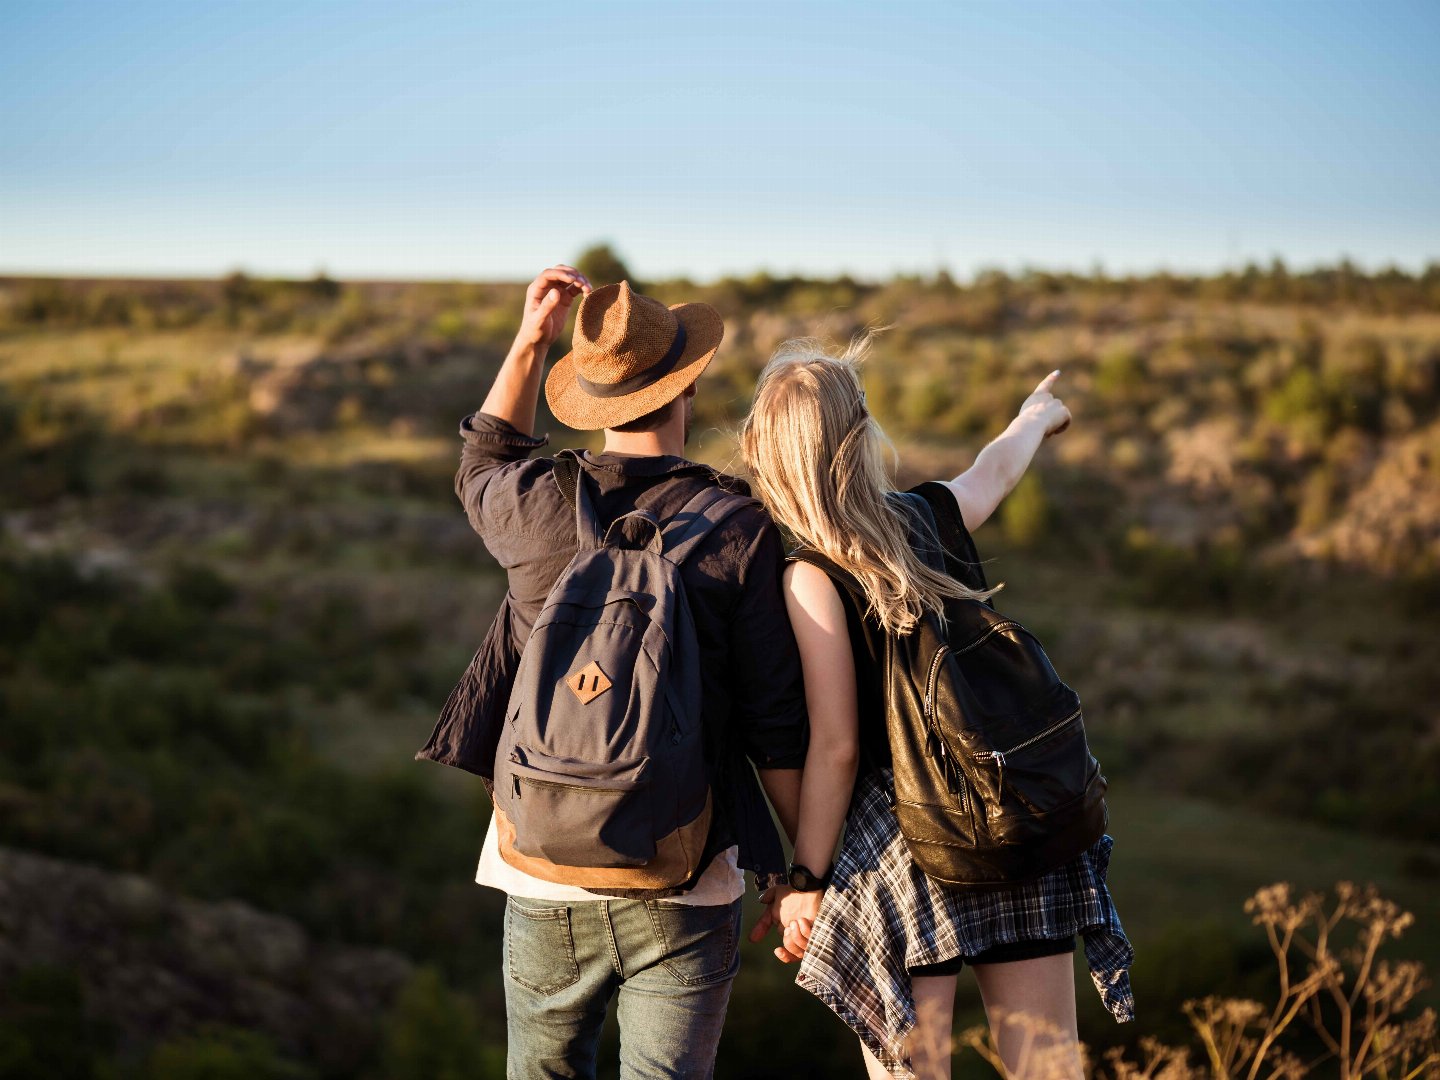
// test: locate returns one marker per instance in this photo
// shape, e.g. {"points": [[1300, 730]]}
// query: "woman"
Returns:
{"points": [[882, 944]]}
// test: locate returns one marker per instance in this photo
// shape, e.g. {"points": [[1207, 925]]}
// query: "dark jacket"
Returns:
{"points": [[754, 699]]}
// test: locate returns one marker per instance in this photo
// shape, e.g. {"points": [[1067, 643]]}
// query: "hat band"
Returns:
{"points": [[652, 374]]}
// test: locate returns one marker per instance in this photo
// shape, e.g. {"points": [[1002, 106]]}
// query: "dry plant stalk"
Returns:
{"points": [[978, 1038], [1330, 974], [1351, 998], [1045, 1052], [1157, 1062]]}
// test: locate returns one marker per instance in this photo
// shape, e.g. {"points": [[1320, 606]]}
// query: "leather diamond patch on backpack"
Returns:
{"points": [[588, 683]]}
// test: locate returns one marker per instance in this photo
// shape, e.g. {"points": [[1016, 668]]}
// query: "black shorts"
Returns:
{"points": [[999, 954]]}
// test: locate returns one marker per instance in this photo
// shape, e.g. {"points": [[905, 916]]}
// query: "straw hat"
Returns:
{"points": [[630, 355]]}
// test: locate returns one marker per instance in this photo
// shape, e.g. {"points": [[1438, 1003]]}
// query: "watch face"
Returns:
{"points": [[798, 878]]}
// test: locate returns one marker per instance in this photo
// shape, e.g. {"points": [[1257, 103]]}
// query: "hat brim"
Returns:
{"points": [[574, 408]]}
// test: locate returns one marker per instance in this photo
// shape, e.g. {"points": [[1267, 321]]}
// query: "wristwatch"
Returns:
{"points": [[802, 880]]}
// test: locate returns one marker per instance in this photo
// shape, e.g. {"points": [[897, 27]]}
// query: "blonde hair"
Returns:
{"points": [[817, 459]]}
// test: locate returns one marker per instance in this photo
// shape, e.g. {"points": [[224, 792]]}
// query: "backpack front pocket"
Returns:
{"points": [[574, 813], [1046, 773]]}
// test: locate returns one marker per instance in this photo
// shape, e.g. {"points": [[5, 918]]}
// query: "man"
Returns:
{"points": [[568, 950]]}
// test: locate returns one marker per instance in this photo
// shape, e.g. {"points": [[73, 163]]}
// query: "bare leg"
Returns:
{"points": [[929, 1044], [1031, 1008], [873, 1069]]}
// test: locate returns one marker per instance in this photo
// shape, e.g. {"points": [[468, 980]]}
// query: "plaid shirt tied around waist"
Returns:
{"points": [[882, 916]]}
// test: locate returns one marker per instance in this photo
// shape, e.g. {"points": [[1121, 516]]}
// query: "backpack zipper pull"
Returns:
{"points": [[947, 763], [936, 748], [999, 759]]}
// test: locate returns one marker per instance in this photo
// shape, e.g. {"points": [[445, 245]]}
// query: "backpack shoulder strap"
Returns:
{"points": [[695, 521], [575, 487], [567, 474]]}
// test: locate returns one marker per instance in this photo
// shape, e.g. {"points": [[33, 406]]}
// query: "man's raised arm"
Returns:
{"points": [[516, 390]]}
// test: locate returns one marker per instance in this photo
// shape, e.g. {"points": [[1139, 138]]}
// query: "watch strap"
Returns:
{"points": [[813, 882]]}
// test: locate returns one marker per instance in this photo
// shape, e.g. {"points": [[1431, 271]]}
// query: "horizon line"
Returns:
{"points": [[1097, 270]]}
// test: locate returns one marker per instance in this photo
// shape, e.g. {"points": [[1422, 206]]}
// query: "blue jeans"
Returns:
{"points": [[671, 964]]}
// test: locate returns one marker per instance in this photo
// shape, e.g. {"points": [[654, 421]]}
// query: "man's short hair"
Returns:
{"points": [[653, 420]]}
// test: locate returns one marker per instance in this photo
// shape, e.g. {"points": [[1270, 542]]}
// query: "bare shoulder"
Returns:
{"points": [[817, 616], [809, 587], [806, 576]]}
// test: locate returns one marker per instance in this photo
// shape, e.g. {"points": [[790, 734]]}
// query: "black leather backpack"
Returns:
{"points": [[994, 780]]}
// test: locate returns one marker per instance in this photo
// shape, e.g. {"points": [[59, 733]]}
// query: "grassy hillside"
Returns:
{"points": [[235, 587]]}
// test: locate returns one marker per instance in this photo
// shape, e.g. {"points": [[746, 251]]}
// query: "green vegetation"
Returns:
{"points": [[235, 588], [604, 267]]}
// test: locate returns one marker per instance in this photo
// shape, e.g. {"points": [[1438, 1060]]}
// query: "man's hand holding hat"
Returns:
{"points": [[631, 354], [516, 389], [547, 303]]}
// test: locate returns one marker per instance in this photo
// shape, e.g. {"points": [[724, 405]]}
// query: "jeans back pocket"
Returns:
{"points": [[699, 944], [539, 946]]}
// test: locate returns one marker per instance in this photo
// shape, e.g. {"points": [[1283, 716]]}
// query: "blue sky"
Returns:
{"points": [[485, 141]]}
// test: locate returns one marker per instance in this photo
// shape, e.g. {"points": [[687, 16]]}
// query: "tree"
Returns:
{"points": [[603, 266], [238, 293], [323, 286]]}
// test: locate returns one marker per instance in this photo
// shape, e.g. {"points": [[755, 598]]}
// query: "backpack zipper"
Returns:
{"points": [[582, 789], [999, 756], [989, 632], [930, 682], [934, 740]]}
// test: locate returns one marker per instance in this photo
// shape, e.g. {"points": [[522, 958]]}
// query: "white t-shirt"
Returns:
{"points": [[723, 882]]}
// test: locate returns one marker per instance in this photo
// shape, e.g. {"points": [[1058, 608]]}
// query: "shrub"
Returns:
{"points": [[1299, 406], [1025, 513], [433, 1034], [45, 1031], [222, 1054], [1121, 374]]}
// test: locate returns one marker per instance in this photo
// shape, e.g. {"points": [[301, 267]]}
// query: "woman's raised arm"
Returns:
{"points": [[999, 467]]}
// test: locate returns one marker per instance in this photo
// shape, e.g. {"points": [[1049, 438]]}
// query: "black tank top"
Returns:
{"points": [[867, 639]]}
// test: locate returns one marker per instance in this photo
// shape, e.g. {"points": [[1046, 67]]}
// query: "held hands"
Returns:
{"points": [[794, 913], [1045, 408], [547, 304]]}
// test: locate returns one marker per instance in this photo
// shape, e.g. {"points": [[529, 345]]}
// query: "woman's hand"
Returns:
{"points": [[547, 304], [793, 913], [1045, 408], [796, 913]]}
